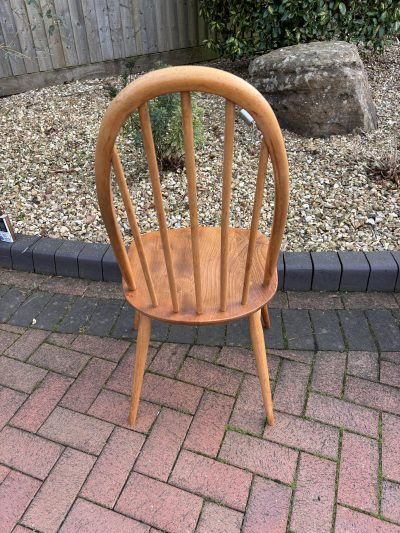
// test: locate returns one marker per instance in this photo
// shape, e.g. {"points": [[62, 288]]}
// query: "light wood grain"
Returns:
{"points": [[142, 346], [257, 339], [265, 316], [226, 197], [190, 165]]}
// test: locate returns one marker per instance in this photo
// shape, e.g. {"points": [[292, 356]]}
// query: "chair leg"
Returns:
{"points": [[142, 345], [257, 339], [136, 320], [265, 316]]}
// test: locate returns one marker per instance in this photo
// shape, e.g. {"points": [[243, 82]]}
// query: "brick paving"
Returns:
{"points": [[200, 458]]}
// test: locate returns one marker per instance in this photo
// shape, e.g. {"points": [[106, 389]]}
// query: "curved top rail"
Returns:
{"points": [[199, 79]]}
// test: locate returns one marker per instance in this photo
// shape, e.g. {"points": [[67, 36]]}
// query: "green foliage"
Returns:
{"points": [[166, 120], [248, 27]]}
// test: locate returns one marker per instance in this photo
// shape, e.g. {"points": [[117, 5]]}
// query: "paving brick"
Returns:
{"points": [[314, 300], [104, 317], [217, 518], [4, 471], [169, 359], [12, 329], [348, 520], [363, 364], [159, 504], [390, 373], [171, 393], [16, 492], [41, 402], [244, 360], [58, 492], [390, 447], [43, 255], [111, 271], [183, 334], [343, 414], [29, 309], [21, 252], [10, 401], [391, 500], [86, 517], [279, 300], [78, 315], [298, 271], [29, 453], [11, 301], [59, 359], [67, 286], [371, 394], [7, 339], [358, 476], [212, 479], [303, 434], [210, 376], [26, 344], [211, 335], [384, 271], [355, 271], [205, 353], [249, 413], [20, 376], [268, 507], [112, 468], [290, 390], [61, 339], [356, 330], [111, 349], [66, 258], [22, 280], [369, 300], [259, 456], [238, 333], [87, 386], [329, 369], [89, 261], [385, 329], [21, 529], [327, 330], [208, 426], [302, 356], [121, 379], [162, 446], [298, 329], [76, 430], [393, 357], [314, 497], [327, 271], [123, 327], [159, 331], [106, 290], [274, 335], [114, 407], [55, 309]]}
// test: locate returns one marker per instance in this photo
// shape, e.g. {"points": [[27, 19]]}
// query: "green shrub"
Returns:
{"points": [[248, 27], [166, 120]]}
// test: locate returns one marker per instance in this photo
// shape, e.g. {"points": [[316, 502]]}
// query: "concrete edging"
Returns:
{"points": [[298, 271]]}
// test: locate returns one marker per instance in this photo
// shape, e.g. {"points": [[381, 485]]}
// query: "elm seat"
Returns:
{"points": [[196, 275]]}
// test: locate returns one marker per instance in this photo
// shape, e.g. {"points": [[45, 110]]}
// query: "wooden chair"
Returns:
{"points": [[197, 275]]}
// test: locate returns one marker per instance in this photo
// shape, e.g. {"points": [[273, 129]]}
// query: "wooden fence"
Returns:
{"points": [[51, 41]]}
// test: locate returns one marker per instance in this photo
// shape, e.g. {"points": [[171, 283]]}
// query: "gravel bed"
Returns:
{"points": [[47, 141]]}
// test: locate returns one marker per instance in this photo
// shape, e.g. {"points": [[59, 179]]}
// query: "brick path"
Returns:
{"points": [[200, 458]]}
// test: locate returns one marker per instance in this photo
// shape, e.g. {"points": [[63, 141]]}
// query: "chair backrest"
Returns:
{"points": [[183, 80]]}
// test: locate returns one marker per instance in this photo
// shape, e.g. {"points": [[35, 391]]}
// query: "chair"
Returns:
{"points": [[196, 275]]}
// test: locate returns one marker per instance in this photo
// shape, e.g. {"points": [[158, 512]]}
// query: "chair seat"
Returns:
{"points": [[210, 259]]}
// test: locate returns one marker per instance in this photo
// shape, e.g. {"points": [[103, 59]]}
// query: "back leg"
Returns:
{"points": [[136, 320], [257, 339], [142, 346], [265, 316]]}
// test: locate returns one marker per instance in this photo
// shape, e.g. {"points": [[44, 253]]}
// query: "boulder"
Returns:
{"points": [[316, 89]]}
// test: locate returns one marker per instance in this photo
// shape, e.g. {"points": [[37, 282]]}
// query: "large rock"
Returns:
{"points": [[316, 89]]}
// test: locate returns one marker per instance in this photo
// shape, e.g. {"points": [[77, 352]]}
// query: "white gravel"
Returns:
{"points": [[47, 140]]}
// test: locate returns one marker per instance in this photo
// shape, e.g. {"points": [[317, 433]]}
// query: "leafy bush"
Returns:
{"points": [[248, 27], [166, 120]]}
